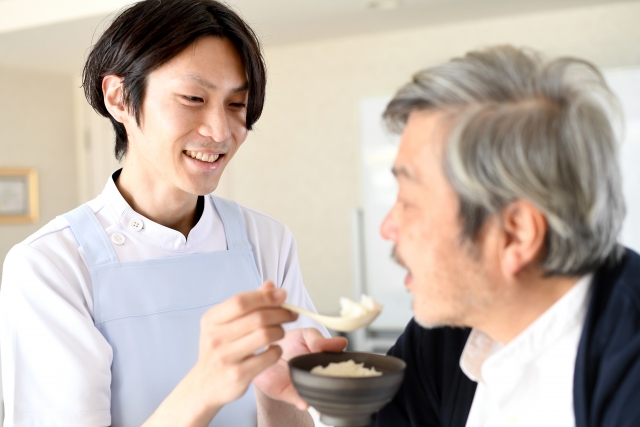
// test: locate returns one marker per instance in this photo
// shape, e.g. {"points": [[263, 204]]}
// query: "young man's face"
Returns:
{"points": [[449, 284], [192, 117]]}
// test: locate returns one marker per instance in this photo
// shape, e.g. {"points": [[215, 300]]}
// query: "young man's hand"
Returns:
{"points": [[231, 334], [275, 381]]}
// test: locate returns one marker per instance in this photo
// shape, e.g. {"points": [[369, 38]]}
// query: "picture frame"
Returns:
{"points": [[18, 195]]}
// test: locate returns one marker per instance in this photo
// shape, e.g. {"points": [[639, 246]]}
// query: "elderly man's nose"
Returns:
{"points": [[389, 228]]}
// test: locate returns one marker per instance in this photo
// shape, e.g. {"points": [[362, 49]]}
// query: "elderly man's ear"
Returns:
{"points": [[522, 245]]}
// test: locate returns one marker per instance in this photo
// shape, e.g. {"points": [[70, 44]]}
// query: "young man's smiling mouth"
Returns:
{"points": [[203, 157]]}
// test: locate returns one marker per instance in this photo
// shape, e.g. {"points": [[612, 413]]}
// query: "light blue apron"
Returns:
{"points": [[149, 312]]}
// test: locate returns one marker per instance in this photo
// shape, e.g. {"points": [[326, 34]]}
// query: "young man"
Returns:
{"points": [[144, 306], [507, 218]]}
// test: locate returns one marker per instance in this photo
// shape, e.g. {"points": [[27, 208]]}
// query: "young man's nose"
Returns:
{"points": [[389, 228], [216, 124]]}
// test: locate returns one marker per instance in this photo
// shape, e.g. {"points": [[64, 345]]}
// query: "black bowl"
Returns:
{"points": [[347, 401]]}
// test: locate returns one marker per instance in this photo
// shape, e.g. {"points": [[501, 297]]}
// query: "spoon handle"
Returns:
{"points": [[298, 310]]}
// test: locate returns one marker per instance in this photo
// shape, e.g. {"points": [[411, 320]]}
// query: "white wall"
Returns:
{"points": [[95, 158], [301, 164], [37, 131]]}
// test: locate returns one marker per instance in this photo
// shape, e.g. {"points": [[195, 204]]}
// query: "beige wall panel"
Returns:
{"points": [[301, 164], [37, 131]]}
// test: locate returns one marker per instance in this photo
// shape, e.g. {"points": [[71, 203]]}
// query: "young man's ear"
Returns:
{"points": [[525, 228], [112, 91]]}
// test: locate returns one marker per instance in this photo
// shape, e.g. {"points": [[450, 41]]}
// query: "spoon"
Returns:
{"points": [[337, 323]]}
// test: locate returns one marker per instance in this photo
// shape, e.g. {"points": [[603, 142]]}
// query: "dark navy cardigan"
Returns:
{"points": [[606, 384]]}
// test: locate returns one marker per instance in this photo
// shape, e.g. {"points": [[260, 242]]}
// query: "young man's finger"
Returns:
{"points": [[253, 342], [266, 296], [257, 319], [255, 364], [317, 343], [249, 323]]}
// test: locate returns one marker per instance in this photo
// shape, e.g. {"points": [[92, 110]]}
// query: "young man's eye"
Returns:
{"points": [[238, 104], [193, 98]]}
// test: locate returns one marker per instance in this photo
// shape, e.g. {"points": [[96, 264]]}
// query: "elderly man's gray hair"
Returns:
{"points": [[525, 128]]}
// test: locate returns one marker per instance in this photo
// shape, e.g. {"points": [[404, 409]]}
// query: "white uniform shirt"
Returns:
{"points": [[55, 363], [529, 381]]}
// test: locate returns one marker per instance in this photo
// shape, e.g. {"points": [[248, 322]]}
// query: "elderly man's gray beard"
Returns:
{"points": [[427, 325], [396, 257], [434, 325]]}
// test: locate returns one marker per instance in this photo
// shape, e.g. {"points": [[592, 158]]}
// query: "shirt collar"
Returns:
{"points": [[482, 354], [152, 232]]}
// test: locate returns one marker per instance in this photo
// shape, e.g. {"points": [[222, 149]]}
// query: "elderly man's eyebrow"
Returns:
{"points": [[402, 171], [207, 84]]}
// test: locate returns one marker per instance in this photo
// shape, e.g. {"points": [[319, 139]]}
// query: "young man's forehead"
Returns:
{"points": [[210, 85], [194, 78]]}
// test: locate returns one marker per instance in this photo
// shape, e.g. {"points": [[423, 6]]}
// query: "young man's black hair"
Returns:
{"points": [[152, 32]]}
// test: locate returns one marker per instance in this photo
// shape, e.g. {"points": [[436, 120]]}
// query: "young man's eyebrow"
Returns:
{"points": [[199, 80], [243, 88], [205, 83]]}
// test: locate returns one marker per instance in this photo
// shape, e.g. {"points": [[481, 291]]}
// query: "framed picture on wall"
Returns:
{"points": [[18, 195]]}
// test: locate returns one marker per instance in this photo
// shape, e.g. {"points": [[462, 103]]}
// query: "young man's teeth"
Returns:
{"points": [[209, 158]]}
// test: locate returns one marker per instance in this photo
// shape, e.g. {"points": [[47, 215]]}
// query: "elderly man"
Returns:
{"points": [[527, 310]]}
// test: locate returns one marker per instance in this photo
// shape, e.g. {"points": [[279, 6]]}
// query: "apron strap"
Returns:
{"points": [[91, 236], [233, 223]]}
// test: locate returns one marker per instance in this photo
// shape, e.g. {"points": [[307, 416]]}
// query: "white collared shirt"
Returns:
{"points": [[55, 364], [529, 381]]}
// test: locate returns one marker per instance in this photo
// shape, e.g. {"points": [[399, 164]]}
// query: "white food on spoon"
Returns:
{"points": [[353, 315], [350, 308]]}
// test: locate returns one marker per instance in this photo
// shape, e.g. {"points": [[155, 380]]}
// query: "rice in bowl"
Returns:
{"points": [[348, 369]]}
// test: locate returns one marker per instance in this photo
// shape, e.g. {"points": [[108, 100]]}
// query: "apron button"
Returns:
{"points": [[136, 224], [117, 239]]}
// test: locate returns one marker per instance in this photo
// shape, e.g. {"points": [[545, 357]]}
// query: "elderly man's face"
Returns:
{"points": [[449, 284]]}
